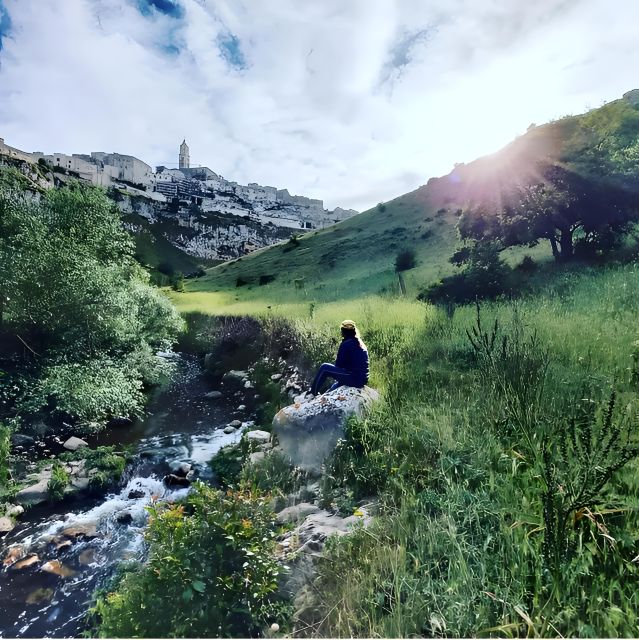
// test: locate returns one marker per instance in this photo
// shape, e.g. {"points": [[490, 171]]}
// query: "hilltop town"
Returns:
{"points": [[203, 214]]}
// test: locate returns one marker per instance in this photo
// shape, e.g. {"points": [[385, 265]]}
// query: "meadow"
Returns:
{"points": [[503, 463]]}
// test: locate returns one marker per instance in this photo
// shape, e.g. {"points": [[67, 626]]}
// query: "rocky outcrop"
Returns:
{"points": [[308, 431]]}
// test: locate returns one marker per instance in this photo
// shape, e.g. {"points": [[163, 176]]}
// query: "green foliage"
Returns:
{"points": [[227, 465], [579, 460], [5, 451], [58, 482], [485, 276], [107, 463], [273, 473], [559, 207], [405, 260], [72, 292], [381, 207], [210, 572]]}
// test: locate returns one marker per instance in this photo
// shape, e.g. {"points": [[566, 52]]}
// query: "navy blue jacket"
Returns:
{"points": [[353, 357]]}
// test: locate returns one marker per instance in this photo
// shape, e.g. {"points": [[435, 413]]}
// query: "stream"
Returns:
{"points": [[180, 426]]}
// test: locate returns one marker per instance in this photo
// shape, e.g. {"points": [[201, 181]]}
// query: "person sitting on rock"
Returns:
{"points": [[351, 367]]}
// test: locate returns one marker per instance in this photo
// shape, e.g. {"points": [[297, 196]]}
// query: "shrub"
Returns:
{"points": [[5, 451], [273, 473], [58, 482], [265, 279], [527, 265], [210, 572], [227, 465], [381, 207], [240, 282]]}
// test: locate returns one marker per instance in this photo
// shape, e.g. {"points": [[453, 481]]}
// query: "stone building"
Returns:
{"points": [[184, 160]]}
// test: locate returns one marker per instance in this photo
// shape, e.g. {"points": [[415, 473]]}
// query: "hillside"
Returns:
{"points": [[356, 257]]}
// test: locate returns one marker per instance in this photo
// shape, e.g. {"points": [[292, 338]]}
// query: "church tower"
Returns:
{"points": [[184, 155]]}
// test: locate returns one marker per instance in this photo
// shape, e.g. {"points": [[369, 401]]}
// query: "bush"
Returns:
{"points": [[241, 282], [381, 207], [210, 572], [58, 482], [265, 279], [227, 465], [273, 473], [485, 277], [527, 265], [5, 451]]}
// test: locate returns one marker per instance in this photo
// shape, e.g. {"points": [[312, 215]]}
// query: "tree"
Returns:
{"points": [[405, 260], [561, 207], [78, 304]]}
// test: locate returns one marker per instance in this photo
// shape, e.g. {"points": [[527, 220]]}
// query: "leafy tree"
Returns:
{"points": [[405, 260], [561, 207], [75, 300]]}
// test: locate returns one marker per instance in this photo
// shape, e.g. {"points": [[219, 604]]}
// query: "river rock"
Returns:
{"points": [[124, 517], [235, 423], [229, 429], [58, 569], [308, 432], [40, 596], [61, 543], [172, 480], [136, 494], [258, 436], [73, 443], [35, 493], [276, 376], [87, 557], [87, 530], [15, 510], [180, 468], [6, 525], [235, 378], [22, 440], [213, 395], [241, 407], [13, 554], [26, 562], [297, 512], [257, 456]]}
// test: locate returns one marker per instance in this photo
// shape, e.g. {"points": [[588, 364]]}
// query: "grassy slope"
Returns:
{"points": [[356, 258]]}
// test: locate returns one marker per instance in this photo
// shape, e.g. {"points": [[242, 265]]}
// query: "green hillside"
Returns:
{"points": [[356, 258]]}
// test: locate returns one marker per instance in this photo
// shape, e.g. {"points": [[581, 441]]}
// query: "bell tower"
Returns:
{"points": [[184, 155]]}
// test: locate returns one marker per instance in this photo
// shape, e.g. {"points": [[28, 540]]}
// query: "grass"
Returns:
{"points": [[350, 260], [456, 458]]}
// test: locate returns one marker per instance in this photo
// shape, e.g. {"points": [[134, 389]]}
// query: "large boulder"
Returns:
{"points": [[308, 431]]}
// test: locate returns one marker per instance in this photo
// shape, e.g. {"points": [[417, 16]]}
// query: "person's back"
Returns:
{"points": [[351, 366], [353, 357]]}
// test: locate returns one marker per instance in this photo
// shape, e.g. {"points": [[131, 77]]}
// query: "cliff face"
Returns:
{"points": [[201, 234]]}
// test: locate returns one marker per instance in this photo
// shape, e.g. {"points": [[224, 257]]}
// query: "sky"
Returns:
{"points": [[354, 102]]}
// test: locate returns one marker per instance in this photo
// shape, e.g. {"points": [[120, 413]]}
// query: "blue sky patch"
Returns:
{"points": [[171, 8], [231, 50], [5, 23]]}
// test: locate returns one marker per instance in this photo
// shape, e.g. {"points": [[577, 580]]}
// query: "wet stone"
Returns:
{"points": [[87, 557], [29, 561], [40, 596], [58, 569]]}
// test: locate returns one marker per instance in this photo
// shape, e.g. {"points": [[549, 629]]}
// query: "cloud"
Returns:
{"points": [[170, 8], [351, 102], [5, 23]]}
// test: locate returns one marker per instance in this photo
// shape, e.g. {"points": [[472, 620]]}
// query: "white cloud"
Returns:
{"points": [[351, 102]]}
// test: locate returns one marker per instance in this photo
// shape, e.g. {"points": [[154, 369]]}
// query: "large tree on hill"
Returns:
{"points": [[561, 207]]}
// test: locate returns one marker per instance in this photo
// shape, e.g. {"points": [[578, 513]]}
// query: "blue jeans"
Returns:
{"points": [[341, 376]]}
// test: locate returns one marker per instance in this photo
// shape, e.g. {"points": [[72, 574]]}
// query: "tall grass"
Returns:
{"points": [[501, 510]]}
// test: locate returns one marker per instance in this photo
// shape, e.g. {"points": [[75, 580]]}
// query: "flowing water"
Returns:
{"points": [[180, 426]]}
